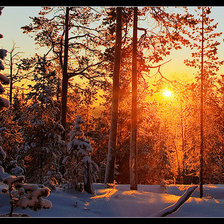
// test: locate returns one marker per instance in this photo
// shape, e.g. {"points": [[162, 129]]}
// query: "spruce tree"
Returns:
{"points": [[79, 165], [42, 135]]}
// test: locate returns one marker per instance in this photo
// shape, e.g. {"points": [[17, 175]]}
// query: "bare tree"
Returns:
{"points": [[13, 59]]}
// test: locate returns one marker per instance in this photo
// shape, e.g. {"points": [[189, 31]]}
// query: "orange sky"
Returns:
{"points": [[14, 17]]}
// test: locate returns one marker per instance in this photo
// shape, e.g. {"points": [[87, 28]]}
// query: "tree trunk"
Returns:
{"points": [[65, 76], [133, 146], [88, 182], [11, 202], [109, 174], [58, 89], [11, 78], [201, 111]]}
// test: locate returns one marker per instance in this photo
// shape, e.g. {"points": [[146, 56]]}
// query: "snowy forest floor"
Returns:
{"points": [[122, 202]]}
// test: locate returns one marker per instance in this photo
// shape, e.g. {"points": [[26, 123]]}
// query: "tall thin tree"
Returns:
{"points": [[65, 74], [201, 109], [109, 174], [205, 58], [133, 145]]}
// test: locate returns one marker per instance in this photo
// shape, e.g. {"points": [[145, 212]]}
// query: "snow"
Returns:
{"points": [[175, 206], [17, 171], [3, 174], [10, 179], [122, 202]]}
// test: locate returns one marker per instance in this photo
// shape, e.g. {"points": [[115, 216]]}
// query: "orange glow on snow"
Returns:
{"points": [[131, 192], [107, 193]]}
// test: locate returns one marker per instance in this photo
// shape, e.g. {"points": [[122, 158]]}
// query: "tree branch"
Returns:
{"points": [[72, 74]]}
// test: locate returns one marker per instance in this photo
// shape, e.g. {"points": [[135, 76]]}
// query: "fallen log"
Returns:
{"points": [[176, 205]]}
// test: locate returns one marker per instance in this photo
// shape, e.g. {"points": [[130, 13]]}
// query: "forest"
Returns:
{"points": [[95, 106]]}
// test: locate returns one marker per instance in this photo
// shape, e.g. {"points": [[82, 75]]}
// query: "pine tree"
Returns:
{"points": [[70, 37], [43, 147], [14, 142]]}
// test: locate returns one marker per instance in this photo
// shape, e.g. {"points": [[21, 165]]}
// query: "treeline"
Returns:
{"points": [[59, 118]]}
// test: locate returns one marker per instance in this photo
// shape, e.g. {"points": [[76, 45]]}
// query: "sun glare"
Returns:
{"points": [[167, 93]]}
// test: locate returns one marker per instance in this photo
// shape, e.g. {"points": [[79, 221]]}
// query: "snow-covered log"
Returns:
{"points": [[176, 205]]}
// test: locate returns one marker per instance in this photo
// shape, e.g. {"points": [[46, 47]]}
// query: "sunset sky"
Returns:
{"points": [[14, 17], [108, 108]]}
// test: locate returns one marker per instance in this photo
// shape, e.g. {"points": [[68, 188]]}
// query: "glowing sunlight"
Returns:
{"points": [[167, 93]]}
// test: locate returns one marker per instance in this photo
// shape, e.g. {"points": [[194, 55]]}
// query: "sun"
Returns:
{"points": [[167, 93]]}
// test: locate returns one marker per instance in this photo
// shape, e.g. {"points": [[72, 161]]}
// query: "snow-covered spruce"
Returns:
{"points": [[53, 179], [47, 149], [25, 195], [2, 159], [42, 134], [3, 79], [79, 165], [10, 166], [15, 169]]}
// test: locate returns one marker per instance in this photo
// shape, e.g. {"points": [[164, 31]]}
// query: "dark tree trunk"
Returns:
{"points": [[88, 182], [133, 146], [11, 79], [65, 76], [109, 175], [201, 111]]}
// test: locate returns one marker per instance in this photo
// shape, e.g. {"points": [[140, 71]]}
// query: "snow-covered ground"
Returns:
{"points": [[122, 202]]}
